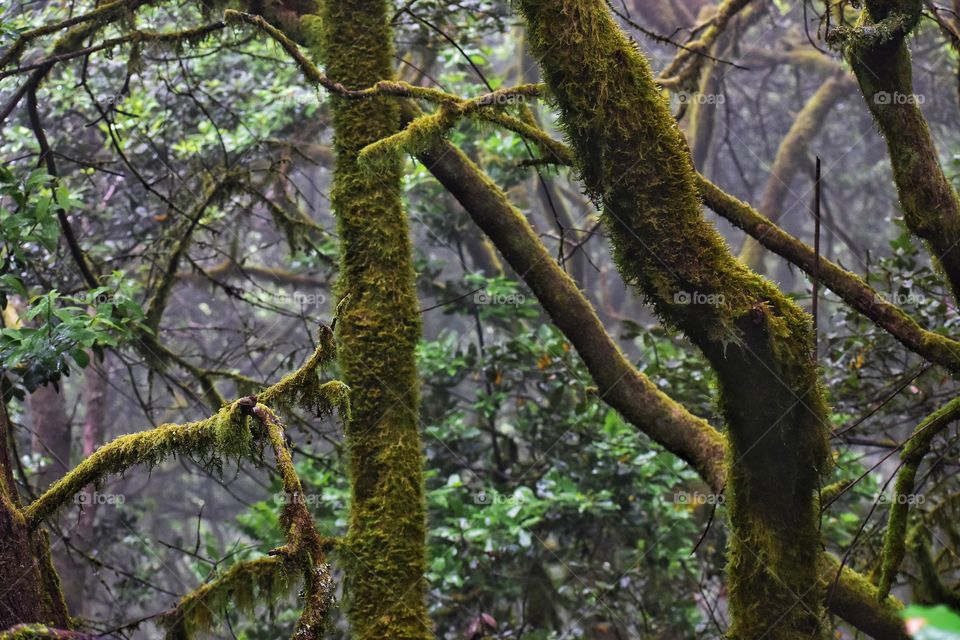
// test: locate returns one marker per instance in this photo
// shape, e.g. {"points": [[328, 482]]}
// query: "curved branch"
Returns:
{"points": [[914, 450], [226, 433], [852, 289], [878, 53], [620, 384]]}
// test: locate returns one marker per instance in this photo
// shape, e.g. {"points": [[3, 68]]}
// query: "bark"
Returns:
{"points": [[31, 591], [880, 58], [634, 162], [51, 433], [378, 329], [74, 569]]}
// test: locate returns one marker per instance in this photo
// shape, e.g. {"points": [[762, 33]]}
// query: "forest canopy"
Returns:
{"points": [[543, 319]]}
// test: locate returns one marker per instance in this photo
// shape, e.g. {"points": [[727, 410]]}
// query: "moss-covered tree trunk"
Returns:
{"points": [[29, 588], [378, 329], [635, 163], [880, 57]]}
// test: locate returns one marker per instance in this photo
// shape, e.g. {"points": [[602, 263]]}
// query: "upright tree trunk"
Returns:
{"points": [[29, 588], [51, 433], [74, 569], [378, 330]]}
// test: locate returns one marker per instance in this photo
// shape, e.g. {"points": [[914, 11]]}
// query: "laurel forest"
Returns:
{"points": [[542, 319]]}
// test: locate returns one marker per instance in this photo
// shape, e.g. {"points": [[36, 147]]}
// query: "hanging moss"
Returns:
{"points": [[636, 166], [262, 580], [242, 587], [228, 433]]}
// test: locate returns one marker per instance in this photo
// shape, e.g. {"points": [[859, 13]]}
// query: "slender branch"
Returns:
{"points": [[851, 288], [226, 433], [914, 451]]}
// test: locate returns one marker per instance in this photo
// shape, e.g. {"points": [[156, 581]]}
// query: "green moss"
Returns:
{"points": [[914, 451], [378, 331], [636, 166], [262, 580], [880, 58], [242, 587]]}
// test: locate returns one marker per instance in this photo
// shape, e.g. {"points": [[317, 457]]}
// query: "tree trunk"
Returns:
{"points": [[378, 329], [635, 164], [30, 591]]}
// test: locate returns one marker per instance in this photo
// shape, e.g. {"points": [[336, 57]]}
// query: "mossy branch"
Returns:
{"points": [[182, 236], [935, 347], [43, 632], [930, 589], [878, 53], [243, 586], [450, 107], [193, 35], [685, 68], [914, 450], [102, 15], [226, 433], [260, 580]]}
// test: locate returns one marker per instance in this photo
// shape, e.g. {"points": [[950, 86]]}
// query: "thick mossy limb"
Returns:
{"points": [[850, 595], [914, 450], [635, 164], [43, 632], [378, 331], [620, 384], [878, 53]]}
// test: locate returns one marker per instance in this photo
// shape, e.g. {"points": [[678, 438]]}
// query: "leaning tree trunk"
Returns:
{"points": [[29, 588], [635, 164], [378, 328]]}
